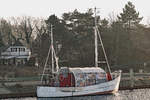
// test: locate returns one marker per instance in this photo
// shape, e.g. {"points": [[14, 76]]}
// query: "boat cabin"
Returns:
{"points": [[80, 77]]}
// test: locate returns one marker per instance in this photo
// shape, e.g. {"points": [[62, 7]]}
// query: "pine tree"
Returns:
{"points": [[129, 17], [129, 20]]}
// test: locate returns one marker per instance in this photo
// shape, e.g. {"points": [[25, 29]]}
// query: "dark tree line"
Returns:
{"points": [[126, 40]]}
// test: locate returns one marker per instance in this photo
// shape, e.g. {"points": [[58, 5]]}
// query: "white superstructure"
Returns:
{"points": [[21, 53]]}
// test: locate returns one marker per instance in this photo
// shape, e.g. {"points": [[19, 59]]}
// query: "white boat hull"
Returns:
{"points": [[103, 88]]}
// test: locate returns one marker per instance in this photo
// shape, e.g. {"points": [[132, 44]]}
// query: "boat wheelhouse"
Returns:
{"points": [[80, 77]]}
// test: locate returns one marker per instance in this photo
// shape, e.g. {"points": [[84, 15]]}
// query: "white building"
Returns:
{"points": [[15, 55]]}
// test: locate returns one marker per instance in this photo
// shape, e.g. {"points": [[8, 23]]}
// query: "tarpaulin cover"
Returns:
{"points": [[88, 76]]}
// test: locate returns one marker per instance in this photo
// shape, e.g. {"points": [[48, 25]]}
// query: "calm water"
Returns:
{"points": [[139, 94]]}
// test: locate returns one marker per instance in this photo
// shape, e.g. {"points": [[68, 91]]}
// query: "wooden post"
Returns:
{"points": [[131, 78]]}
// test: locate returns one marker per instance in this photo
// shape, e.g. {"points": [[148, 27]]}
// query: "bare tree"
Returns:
{"points": [[40, 26], [16, 28], [40, 29], [112, 17], [6, 31], [27, 28]]}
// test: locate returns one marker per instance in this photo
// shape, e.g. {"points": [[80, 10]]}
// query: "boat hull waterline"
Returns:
{"points": [[102, 88]]}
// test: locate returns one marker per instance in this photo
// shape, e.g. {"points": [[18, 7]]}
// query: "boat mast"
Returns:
{"points": [[49, 70], [52, 51], [96, 46], [54, 58], [102, 45]]}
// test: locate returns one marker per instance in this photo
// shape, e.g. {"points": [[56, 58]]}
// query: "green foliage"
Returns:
{"points": [[81, 24], [125, 27], [126, 41], [104, 23], [62, 36], [129, 16]]}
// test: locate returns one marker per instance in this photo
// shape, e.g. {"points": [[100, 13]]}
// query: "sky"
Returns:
{"points": [[45, 8]]}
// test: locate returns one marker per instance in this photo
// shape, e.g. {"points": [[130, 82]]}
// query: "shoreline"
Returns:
{"points": [[27, 88], [33, 94]]}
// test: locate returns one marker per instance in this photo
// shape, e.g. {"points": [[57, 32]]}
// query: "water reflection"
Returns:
{"points": [[138, 94], [103, 97]]}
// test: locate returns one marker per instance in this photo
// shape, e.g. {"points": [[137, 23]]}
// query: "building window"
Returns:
{"points": [[13, 49], [24, 49], [21, 49]]}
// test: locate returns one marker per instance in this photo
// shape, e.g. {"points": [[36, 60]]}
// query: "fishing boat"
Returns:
{"points": [[77, 81]]}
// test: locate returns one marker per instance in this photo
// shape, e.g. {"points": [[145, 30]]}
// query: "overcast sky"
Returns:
{"points": [[44, 8]]}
